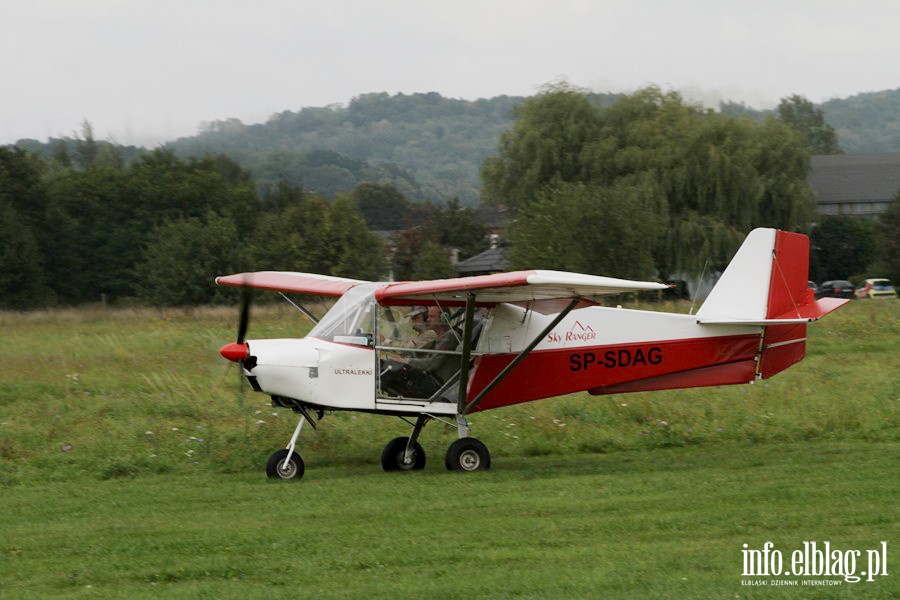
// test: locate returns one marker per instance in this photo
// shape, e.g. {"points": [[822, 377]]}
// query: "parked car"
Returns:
{"points": [[876, 288], [838, 288]]}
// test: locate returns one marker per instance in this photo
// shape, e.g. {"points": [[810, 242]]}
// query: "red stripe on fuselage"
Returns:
{"points": [[547, 373]]}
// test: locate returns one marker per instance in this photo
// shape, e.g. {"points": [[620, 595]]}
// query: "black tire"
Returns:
{"points": [[468, 454], [282, 467], [392, 456]]}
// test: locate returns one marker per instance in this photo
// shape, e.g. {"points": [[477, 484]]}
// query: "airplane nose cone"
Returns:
{"points": [[235, 351]]}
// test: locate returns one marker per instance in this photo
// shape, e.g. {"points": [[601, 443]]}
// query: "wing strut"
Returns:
{"points": [[464, 375], [466, 354]]}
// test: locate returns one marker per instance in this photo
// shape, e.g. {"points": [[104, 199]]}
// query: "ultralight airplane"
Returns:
{"points": [[446, 348]]}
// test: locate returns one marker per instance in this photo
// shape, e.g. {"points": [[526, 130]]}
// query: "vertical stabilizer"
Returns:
{"points": [[742, 292], [766, 284]]}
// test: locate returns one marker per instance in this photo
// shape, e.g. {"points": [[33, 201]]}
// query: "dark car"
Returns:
{"points": [[835, 289]]}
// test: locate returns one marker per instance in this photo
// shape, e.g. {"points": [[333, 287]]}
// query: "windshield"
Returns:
{"points": [[881, 284], [352, 318]]}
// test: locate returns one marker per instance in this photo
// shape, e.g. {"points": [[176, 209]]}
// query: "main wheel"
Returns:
{"points": [[392, 457], [468, 454], [282, 466]]}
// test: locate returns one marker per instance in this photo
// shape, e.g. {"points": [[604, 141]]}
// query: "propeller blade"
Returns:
{"points": [[246, 297]]}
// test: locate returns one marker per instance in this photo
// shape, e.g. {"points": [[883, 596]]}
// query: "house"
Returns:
{"points": [[855, 184], [492, 260]]}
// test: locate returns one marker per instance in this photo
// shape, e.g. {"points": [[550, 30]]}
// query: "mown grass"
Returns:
{"points": [[131, 465], [668, 523]]}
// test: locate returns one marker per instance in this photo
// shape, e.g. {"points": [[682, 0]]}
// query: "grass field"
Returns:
{"points": [[133, 466]]}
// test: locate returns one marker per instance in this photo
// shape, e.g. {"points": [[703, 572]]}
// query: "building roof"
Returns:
{"points": [[489, 261], [855, 178]]}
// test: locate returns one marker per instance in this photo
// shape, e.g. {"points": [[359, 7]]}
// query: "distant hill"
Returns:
{"points": [[428, 146], [431, 147], [866, 123]]}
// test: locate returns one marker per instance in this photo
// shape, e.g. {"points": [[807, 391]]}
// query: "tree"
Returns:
{"points": [[704, 179], [809, 121], [889, 240], [459, 227], [432, 263], [355, 251], [183, 257], [382, 206], [21, 270], [842, 246], [588, 229], [545, 144], [294, 238]]}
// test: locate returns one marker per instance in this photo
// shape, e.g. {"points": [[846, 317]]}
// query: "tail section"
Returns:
{"points": [[766, 284]]}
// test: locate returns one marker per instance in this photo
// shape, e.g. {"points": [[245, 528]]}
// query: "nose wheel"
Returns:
{"points": [[285, 464]]}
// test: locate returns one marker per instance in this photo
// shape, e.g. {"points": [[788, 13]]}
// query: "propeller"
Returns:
{"points": [[246, 297], [238, 351]]}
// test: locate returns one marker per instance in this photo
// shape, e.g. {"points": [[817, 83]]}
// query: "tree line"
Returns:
{"points": [[641, 186], [90, 228]]}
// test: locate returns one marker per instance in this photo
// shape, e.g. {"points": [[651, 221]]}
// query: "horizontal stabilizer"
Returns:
{"points": [[811, 311]]}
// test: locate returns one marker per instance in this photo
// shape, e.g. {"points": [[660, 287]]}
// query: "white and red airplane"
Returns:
{"points": [[497, 340]]}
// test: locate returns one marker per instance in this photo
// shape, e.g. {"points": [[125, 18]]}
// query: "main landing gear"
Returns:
{"points": [[400, 454], [465, 454]]}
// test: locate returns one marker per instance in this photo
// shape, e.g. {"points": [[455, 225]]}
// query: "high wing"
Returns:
{"points": [[516, 286], [289, 281]]}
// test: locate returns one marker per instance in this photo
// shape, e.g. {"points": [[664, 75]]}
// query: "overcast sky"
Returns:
{"points": [[148, 71]]}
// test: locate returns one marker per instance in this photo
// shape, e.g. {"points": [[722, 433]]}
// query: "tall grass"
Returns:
{"points": [[122, 393]]}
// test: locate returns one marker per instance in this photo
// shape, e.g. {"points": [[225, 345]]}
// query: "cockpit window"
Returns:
{"points": [[352, 318]]}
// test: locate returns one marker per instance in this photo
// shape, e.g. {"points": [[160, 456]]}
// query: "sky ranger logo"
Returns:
{"points": [[577, 333]]}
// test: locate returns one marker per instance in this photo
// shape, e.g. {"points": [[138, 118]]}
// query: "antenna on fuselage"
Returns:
{"points": [[699, 284]]}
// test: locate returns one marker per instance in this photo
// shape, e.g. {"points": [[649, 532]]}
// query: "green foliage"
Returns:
{"points": [[355, 251], [427, 146], [460, 227], [809, 122], [842, 247], [431, 262], [704, 179], [588, 229], [294, 237], [22, 275], [382, 206], [181, 258], [160, 229], [545, 144], [21, 269], [441, 229], [888, 261]]}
